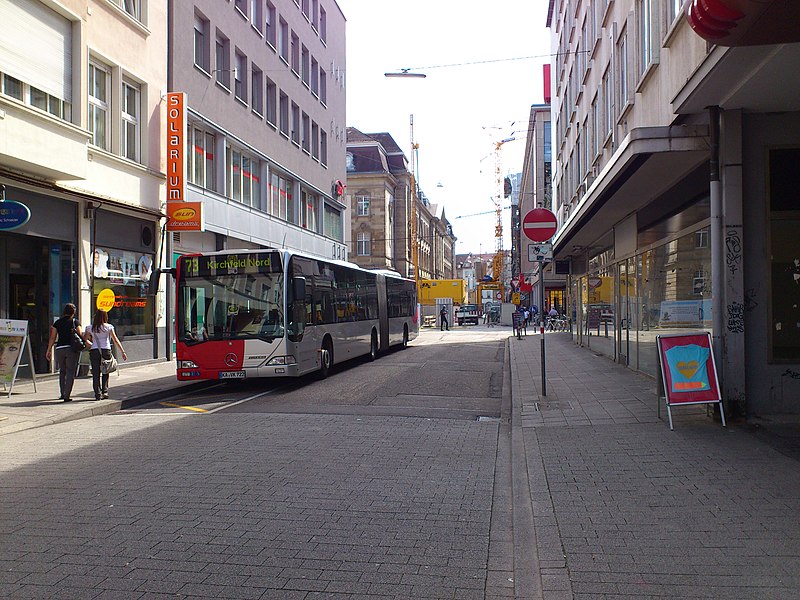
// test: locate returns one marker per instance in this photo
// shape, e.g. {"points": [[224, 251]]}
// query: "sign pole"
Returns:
{"points": [[539, 225], [541, 324]]}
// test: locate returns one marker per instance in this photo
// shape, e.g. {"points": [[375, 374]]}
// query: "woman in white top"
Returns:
{"points": [[101, 333]]}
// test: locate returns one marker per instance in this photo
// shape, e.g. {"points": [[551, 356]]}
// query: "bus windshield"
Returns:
{"points": [[230, 306]]}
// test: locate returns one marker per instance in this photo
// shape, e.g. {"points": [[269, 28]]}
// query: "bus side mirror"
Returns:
{"points": [[155, 276], [299, 289]]}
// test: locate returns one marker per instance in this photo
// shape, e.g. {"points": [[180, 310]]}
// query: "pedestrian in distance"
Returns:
{"points": [[62, 334], [101, 333], [443, 315], [553, 312]]}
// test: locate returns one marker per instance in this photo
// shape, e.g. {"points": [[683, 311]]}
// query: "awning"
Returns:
{"points": [[649, 161], [750, 78]]}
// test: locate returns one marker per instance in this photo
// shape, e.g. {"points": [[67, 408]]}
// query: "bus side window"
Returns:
{"points": [[309, 303]]}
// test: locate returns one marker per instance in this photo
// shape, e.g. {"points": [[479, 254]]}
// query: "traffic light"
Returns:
{"points": [[507, 187]]}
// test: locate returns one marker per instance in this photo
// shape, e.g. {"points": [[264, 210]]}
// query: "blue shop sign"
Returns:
{"points": [[13, 214]]}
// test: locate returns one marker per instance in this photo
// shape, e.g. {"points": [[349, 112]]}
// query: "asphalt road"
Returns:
{"points": [[389, 479]]}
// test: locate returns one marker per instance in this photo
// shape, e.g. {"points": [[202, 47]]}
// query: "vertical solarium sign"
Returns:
{"points": [[181, 215], [176, 147]]}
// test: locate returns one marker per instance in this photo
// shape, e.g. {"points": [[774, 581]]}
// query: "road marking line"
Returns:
{"points": [[172, 405], [242, 401]]}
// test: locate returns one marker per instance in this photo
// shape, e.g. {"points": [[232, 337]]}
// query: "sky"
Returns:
{"points": [[483, 63]]}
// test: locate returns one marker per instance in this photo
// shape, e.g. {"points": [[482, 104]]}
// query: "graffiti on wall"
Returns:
{"points": [[791, 374], [733, 249], [735, 311]]}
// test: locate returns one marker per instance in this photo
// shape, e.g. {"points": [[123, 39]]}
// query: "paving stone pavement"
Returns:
{"points": [[282, 506], [624, 507], [607, 501]]}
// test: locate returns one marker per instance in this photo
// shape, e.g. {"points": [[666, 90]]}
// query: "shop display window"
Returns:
{"points": [[674, 294], [126, 275]]}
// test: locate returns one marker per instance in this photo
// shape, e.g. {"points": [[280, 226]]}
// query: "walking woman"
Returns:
{"points": [[66, 358], [101, 333]]}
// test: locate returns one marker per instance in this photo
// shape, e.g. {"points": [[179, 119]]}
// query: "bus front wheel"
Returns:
{"points": [[325, 359]]}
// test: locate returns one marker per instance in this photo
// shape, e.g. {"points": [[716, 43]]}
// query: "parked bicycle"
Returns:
{"points": [[559, 323]]}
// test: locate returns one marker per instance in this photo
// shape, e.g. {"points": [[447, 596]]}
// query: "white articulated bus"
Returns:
{"points": [[278, 313]]}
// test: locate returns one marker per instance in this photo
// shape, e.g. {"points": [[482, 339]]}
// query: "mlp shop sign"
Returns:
{"points": [[13, 214]]}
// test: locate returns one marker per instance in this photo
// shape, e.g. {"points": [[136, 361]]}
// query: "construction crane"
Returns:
{"points": [[497, 262], [486, 212]]}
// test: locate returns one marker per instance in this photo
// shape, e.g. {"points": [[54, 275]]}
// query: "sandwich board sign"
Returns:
{"points": [[13, 342], [688, 371]]}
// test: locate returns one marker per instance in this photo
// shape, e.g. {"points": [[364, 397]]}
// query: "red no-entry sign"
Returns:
{"points": [[539, 224]]}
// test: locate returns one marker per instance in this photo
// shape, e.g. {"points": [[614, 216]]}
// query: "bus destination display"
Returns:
{"points": [[230, 264]]}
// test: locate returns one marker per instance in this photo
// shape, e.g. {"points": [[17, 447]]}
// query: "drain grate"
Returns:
{"points": [[554, 405], [489, 419]]}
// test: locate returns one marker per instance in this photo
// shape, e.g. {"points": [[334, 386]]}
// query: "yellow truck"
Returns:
{"points": [[429, 290]]}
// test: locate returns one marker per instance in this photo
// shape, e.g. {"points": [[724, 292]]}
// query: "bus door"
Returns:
{"points": [[309, 343], [383, 313]]}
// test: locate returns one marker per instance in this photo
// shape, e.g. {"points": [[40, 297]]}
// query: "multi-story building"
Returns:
{"points": [[265, 87], [676, 134], [82, 126], [536, 192], [380, 185]]}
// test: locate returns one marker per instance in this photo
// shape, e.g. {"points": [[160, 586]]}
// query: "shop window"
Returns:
{"points": [[126, 275], [672, 296], [785, 255]]}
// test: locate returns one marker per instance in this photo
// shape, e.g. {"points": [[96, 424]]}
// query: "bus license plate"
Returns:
{"points": [[231, 375]]}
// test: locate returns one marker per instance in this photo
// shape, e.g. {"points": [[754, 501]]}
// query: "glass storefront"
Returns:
{"points": [[125, 274], [622, 307]]}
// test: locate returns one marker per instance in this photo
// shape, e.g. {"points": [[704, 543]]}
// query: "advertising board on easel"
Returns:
{"points": [[688, 371], [13, 342]]}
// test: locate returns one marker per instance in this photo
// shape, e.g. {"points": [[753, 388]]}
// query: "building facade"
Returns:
{"points": [[537, 192], [379, 190], [673, 182], [265, 87], [82, 124]]}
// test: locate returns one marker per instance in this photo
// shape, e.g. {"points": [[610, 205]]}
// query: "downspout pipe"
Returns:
{"points": [[717, 262]]}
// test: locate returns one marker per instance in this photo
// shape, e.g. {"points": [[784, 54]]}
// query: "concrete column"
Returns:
{"points": [[733, 334]]}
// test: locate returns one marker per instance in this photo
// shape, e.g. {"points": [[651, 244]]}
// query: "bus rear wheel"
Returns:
{"points": [[373, 346]]}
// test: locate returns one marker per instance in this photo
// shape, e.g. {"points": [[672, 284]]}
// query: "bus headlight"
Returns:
{"points": [[187, 364], [282, 360]]}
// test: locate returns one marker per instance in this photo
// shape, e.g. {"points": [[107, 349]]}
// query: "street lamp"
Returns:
{"points": [[405, 73]]}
